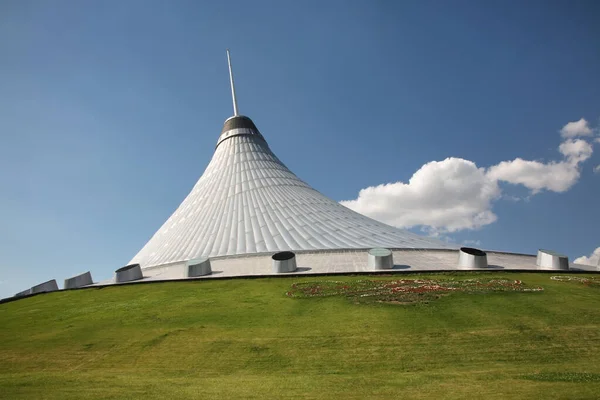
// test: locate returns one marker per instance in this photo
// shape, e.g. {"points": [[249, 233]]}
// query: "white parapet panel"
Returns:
{"points": [[131, 272], [49, 286], [380, 258], [79, 281], [198, 267], [284, 261], [470, 258], [548, 259]]}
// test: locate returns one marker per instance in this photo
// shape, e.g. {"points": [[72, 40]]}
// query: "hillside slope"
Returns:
{"points": [[245, 338]]}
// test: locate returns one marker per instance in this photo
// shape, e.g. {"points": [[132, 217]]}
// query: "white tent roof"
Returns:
{"points": [[247, 201]]}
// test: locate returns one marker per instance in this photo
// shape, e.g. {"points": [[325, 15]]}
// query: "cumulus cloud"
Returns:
{"points": [[447, 196], [576, 151], [576, 128], [472, 242], [536, 176], [454, 194], [593, 259], [597, 169]]}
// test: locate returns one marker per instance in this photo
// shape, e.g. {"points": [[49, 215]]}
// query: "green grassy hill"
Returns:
{"points": [[246, 338]]}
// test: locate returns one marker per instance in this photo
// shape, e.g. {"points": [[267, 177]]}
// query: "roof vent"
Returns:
{"points": [[49, 286], [380, 258], [548, 259], [198, 267], [131, 272], [471, 258], [23, 293], [284, 261], [79, 281]]}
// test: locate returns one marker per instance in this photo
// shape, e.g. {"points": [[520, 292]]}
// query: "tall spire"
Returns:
{"points": [[235, 106]]}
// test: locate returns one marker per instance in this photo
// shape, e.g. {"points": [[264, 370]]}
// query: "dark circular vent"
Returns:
{"points": [[472, 251], [283, 256]]}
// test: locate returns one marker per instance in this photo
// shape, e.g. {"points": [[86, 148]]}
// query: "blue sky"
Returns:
{"points": [[109, 113]]}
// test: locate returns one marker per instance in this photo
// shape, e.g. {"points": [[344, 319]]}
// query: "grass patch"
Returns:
{"points": [[578, 377], [216, 339]]}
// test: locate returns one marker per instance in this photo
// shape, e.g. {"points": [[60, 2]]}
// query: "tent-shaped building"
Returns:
{"points": [[248, 202]]}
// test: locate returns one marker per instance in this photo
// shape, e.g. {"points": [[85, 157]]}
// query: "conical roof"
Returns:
{"points": [[247, 201]]}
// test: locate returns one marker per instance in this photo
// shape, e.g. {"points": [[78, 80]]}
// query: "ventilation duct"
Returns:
{"points": [[284, 261], [198, 267], [380, 258], [79, 281], [547, 259], [131, 272], [471, 258]]}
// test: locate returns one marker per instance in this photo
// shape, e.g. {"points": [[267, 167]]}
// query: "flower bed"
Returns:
{"points": [[404, 290], [587, 281]]}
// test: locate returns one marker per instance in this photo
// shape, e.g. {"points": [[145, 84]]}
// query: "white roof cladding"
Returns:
{"points": [[247, 201]]}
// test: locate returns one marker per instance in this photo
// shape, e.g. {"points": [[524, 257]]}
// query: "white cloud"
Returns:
{"points": [[597, 169], [576, 151], [576, 128], [534, 175], [597, 140], [472, 242], [593, 259], [446, 196], [454, 194], [554, 176]]}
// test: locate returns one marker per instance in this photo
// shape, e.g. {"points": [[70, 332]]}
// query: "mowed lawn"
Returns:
{"points": [[245, 338]]}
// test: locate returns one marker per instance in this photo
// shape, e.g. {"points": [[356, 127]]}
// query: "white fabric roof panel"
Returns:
{"points": [[247, 201]]}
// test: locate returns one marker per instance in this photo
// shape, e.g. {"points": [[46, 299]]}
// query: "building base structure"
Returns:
{"points": [[342, 261], [349, 261]]}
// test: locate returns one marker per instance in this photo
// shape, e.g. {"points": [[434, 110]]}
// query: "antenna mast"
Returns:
{"points": [[235, 107]]}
